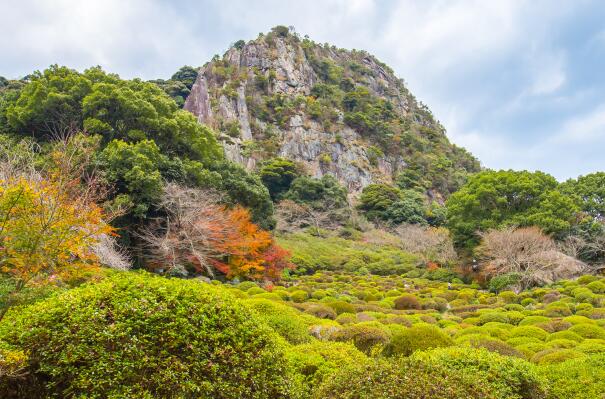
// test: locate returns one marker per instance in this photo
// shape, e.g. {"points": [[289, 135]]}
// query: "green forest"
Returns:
{"points": [[138, 260]]}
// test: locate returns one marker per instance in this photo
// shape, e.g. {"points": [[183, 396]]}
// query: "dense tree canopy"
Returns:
{"points": [[179, 85], [318, 193], [390, 204], [277, 175], [145, 138], [492, 199], [590, 192]]}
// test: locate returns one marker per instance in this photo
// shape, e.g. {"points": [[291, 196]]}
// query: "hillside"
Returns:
{"points": [[335, 111], [302, 229]]}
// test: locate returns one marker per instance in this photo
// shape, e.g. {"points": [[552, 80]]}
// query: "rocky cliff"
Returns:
{"points": [[334, 111]]}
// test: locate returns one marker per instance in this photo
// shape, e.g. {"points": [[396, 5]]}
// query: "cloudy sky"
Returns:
{"points": [[521, 84]]}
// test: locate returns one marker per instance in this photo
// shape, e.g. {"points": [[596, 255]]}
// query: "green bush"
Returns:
{"points": [[341, 307], [588, 331], [299, 296], [561, 343], [417, 337], [399, 379], [139, 336], [557, 309], [285, 320], [581, 378], [532, 320], [407, 301], [555, 355], [591, 346], [507, 377], [598, 287], [488, 317], [493, 345], [529, 331], [316, 361], [504, 281], [321, 311], [565, 335], [363, 336]]}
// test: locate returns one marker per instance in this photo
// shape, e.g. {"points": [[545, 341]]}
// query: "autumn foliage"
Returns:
{"points": [[45, 233], [201, 236]]}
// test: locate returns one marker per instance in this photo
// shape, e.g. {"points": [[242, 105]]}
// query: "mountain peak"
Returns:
{"points": [[334, 111]]}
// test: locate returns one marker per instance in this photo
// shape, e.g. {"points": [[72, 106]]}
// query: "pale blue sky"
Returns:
{"points": [[521, 84]]}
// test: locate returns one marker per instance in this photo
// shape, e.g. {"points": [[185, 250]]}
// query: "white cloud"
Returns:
{"points": [[111, 33], [479, 65], [586, 129]]}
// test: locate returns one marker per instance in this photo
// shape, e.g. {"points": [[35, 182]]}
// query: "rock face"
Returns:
{"points": [[260, 99]]}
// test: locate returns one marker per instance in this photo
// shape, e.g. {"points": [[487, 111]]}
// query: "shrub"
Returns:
{"points": [[285, 320], [299, 296], [557, 309], [504, 281], [589, 331], [346, 318], [507, 377], [401, 378], [13, 363], [493, 345], [554, 325], [575, 319], [529, 350], [417, 337], [317, 360], [319, 294], [529, 331], [142, 336], [591, 346], [565, 335], [518, 341], [514, 317], [407, 301], [493, 317], [246, 285], [554, 355], [598, 287], [342, 307], [321, 311], [363, 336], [580, 378], [561, 343], [532, 320], [255, 291]]}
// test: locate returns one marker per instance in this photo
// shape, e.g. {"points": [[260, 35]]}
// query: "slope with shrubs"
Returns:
{"points": [[331, 335]]}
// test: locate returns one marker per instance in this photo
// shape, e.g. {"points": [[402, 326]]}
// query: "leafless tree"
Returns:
{"points": [[579, 247], [528, 252], [110, 254], [18, 159], [292, 216], [432, 244], [187, 236]]}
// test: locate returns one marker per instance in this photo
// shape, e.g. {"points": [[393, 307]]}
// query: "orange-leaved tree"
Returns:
{"points": [[202, 236], [44, 232]]}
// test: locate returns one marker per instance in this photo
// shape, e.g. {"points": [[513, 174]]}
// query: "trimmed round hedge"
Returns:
{"points": [[507, 377], [398, 379], [139, 336]]}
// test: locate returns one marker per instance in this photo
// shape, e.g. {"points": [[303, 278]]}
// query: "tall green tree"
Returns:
{"points": [[318, 193], [492, 199], [590, 193], [277, 175]]}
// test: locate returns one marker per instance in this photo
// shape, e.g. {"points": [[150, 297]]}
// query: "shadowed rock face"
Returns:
{"points": [[227, 89]]}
